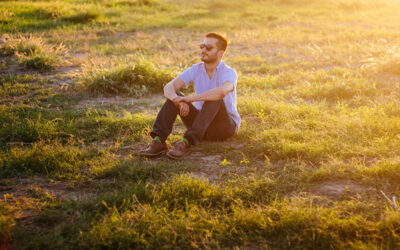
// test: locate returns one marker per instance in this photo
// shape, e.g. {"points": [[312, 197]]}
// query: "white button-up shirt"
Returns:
{"points": [[197, 75]]}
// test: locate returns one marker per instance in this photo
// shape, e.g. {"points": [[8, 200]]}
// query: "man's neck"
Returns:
{"points": [[210, 67]]}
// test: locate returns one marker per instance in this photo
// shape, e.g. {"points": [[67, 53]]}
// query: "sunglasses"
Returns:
{"points": [[207, 46]]}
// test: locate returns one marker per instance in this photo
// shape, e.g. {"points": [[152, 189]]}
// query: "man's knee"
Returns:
{"points": [[212, 104], [170, 104], [218, 102]]}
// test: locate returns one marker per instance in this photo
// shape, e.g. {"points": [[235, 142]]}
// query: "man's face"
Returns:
{"points": [[210, 52]]}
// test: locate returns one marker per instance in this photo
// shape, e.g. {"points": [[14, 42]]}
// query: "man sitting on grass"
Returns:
{"points": [[211, 114]]}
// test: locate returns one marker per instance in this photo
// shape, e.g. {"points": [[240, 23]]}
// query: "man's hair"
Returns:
{"points": [[223, 41]]}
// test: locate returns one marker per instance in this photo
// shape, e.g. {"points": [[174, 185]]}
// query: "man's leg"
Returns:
{"points": [[167, 116], [163, 127], [211, 110], [222, 127]]}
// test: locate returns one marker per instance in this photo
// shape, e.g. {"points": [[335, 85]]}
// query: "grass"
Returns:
{"points": [[135, 80], [310, 132], [40, 62], [190, 221], [140, 171], [33, 53], [80, 87], [82, 17], [205, 215], [99, 126], [54, 161], [6, 223], [386, 60], [27, 125]]}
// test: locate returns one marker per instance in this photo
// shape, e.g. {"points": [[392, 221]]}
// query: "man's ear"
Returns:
{"points": [[221, 52]]}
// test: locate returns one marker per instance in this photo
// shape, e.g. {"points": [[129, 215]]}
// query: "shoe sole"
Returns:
{"points": [[150, 155], [177, 158]]}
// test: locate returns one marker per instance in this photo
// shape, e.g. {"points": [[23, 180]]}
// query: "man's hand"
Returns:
{"points": [[182, 103], [177, 100], [183, 109]]}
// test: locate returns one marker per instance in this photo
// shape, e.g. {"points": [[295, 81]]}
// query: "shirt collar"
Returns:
{"points": [[219, 66]]}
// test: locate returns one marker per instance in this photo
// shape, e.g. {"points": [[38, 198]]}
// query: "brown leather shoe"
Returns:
{"points": [[154, 148], [179, 150]]}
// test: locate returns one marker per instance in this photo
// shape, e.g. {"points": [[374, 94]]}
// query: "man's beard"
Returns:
{"points": [[210, 59]]}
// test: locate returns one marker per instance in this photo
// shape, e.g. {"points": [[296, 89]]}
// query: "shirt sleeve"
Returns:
{"points": [[230, 76], [187, 76]]}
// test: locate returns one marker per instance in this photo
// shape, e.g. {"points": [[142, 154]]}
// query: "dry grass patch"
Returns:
{"points": [[382, 58], [124, 78], [34, 53]]}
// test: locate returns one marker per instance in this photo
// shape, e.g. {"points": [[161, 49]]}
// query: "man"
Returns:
{"points": [[211, 114]]}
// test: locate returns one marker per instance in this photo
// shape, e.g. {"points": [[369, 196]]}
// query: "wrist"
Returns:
{"points": [[175, 100]]}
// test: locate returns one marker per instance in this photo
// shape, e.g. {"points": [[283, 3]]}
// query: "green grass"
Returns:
{"points": [[202, 215], [55, 160], [6, 223], [138, 170], [80, 87], [82, 17], [135, 80], [40, 62], [24, 124], [193, 213], [33, 53], [311, 132], [102, 125]]}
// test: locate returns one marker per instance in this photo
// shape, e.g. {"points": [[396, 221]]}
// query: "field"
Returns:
{"points": [[315, 164]]}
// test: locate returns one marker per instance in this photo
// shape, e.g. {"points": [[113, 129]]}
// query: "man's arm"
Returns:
{"points": [[171, 88], [214, 94], [170, 93]]}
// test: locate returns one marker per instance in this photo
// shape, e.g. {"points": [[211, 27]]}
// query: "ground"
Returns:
{"points": [[315, 164]]}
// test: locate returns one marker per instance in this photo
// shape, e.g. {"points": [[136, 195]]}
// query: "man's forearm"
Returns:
{"points": [[214, 94]]}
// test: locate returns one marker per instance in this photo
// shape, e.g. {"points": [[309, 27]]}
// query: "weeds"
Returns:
{"points": [[33, 53], [137, 170], [125, 79], [23, 46], [20, 79], [289, 223], [386, 60], [40, 62], [7, 50], [27, 125], [52, 160], [98, 126]]}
